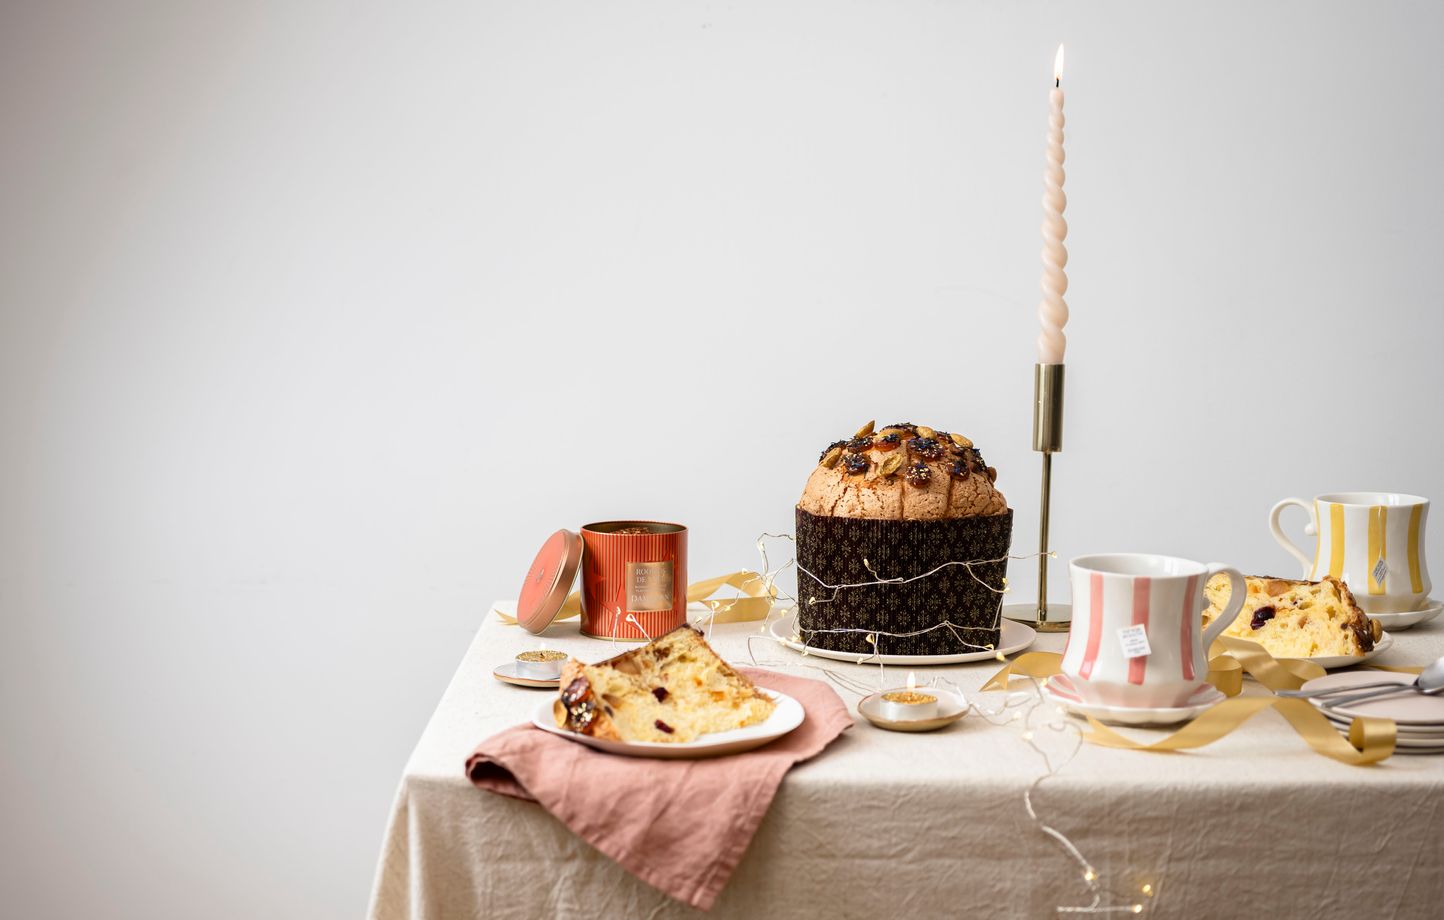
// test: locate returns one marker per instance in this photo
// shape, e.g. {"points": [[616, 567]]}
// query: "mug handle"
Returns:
{"points": [[1311, 529], [1237, 594]]}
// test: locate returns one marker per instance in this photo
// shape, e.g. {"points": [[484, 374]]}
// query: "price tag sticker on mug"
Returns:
{"points": [[1135, 641], [1381, 569]]}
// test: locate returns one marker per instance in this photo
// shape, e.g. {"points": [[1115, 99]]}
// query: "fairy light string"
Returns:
{"points": [[1026, 708]]}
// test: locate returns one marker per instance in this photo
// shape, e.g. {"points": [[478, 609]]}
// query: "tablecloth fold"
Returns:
{"points": [[678, 825]]}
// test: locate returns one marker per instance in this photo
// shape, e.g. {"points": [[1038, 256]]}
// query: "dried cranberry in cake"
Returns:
{"points": [[1262, 616], [919, 474], [856, 464], [664, 727], [887, 442], [858, 445], [927, 448], [660, 693]]}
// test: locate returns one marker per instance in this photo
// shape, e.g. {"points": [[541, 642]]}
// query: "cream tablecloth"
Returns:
{"points": [[888, 825]]}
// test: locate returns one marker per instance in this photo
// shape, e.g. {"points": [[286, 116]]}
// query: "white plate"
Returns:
{"points": [[1425, 735], [1397, 621], [1014, 638], [787, 716], [1404, 744], [1345, 661], [1059, 689]]}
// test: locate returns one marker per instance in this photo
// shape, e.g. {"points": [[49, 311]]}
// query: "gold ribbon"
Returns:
{"points": [[757, 597], [1370, 739]]}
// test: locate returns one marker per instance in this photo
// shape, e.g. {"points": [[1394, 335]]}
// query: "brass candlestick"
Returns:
{"points": [[1048, 440]]}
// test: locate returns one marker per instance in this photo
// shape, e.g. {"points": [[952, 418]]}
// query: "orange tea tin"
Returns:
{"points": [[634, 579]]}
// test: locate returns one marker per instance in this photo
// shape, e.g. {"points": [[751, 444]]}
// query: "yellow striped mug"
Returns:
{"points": [[1374, 541]]}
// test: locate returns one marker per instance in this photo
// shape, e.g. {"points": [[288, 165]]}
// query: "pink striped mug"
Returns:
{"points": [[1136, 638]]}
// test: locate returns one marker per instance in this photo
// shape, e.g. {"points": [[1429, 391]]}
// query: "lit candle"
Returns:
{"points": [[909, 705], [541, 664], [1053, 309]]}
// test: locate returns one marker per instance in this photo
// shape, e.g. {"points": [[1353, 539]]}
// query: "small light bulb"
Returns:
{"points": [[1148, 889], [1090, 875], [1027, 736], [1138, 908]]}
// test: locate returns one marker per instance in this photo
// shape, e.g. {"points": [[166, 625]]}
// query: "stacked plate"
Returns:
{"points": [[1420, 718]]}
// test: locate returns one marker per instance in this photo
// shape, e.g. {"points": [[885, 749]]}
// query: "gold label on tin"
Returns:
{"points": [[649, 586]]}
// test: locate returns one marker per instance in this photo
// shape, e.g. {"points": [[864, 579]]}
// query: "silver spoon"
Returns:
{"points": [[1429, 682]]}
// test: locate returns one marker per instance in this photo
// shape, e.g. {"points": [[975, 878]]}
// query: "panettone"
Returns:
{"points": [[1296, 619], [902, 536], [672, 689], [903, 472]]}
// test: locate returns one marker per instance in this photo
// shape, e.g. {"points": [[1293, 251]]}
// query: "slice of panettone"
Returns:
{"points": [[1296, 619], [674, 688]]}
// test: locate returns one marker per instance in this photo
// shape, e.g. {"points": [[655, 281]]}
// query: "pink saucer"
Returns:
{"points": [[1403, 708]]}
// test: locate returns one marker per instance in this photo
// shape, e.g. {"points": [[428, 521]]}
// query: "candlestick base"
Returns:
{"points": [[1060, 616]]}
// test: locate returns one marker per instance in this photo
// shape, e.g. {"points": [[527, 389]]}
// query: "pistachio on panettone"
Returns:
{"points": [[829, 449], [865, 430]]}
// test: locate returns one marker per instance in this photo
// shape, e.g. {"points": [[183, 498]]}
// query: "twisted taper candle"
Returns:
{"points": [[1053, 309]]}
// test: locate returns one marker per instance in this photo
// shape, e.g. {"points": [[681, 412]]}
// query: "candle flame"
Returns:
{"points": [[912, 681], [1058, 65]]}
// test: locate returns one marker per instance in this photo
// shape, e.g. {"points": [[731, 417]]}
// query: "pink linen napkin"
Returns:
{"points": [[679, 825]]}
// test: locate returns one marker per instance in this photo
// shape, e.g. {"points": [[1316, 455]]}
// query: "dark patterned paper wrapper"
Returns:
{"points": [[832, 549]]}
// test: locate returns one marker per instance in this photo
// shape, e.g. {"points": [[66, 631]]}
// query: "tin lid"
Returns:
{"points": [[549, 580]]}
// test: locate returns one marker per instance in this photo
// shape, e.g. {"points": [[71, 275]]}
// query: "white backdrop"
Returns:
{"points": [[316, 318]]}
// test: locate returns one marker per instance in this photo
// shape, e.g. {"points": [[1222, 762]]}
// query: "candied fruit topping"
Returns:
{"points": [[887, 442], [927, 448], [919, 474], [856, 464], [858, 445], [576, 691], [830, 447], [1261, 616], [959, 469]]}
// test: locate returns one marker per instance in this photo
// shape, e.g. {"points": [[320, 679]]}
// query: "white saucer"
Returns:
{"points": [[1328, 662], [1059, 689], [507, 673], [1014, 637], [1397, 621], [951, 708], [787, 716]]}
